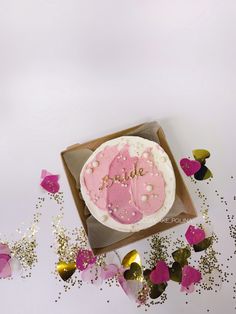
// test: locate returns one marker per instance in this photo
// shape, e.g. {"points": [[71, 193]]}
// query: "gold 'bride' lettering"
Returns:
{"points": [[108, 181]]}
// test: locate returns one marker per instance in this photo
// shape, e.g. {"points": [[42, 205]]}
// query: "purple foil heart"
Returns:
{"points": [[190, 167], [160, 274], [194, 235]]}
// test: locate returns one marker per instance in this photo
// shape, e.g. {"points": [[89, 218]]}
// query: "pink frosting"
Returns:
{"points": [[119, 198], [152, 178], [127, 187], [93, 180]]}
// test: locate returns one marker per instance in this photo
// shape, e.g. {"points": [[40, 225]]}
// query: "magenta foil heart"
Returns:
{"points": [[50, 183], [190, 167], [160, 274], [194, 235], [84, 259], [190, 276]]}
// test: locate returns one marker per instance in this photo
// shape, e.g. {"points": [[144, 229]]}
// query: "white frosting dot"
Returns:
{"points": [[149, 187], [133, 214], [163, 159], [145, 155], [144, 198], [89, 170], [95, 164]]}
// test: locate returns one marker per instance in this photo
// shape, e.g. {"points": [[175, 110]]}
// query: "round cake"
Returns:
{"points": [[128, 183]]}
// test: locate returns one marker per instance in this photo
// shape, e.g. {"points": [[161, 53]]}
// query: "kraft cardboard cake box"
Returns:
{"points": [[101, 238]]}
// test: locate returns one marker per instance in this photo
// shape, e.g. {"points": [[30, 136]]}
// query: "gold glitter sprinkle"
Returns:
{"points": [[159, 249]]}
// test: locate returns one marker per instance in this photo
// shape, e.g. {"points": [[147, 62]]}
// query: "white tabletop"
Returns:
{"points": [[71, 71]]}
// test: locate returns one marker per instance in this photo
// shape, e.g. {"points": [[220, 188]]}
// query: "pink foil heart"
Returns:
{"points": [[131, 288], [190, 289], [50, 183], [4, 249], [5, 257], [160, 274], [45, 173], [96, 274], [194, 235], [92, 275], [84, 259], [109, 271], [190, 167], [5, 267], [190, 276]]}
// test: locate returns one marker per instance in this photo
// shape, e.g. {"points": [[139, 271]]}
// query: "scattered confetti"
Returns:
{"points": [[146, 286], [18, 257]]}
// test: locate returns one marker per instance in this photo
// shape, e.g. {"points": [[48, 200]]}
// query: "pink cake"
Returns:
{"points": [[128, 183]]}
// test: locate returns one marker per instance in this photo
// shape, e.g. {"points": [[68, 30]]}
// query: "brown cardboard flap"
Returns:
{"points": [[181, 191]]}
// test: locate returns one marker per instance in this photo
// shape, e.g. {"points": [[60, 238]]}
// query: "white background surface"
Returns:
{"points": [[74, 70]]}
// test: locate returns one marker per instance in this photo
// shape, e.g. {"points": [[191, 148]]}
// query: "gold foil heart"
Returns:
{"points": [[181, 256], [203, 245], [134, 273], [131, 257], [201, 154], [176, 272], [66, 270], [157, 290], [154, 290], [203, 174]]}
